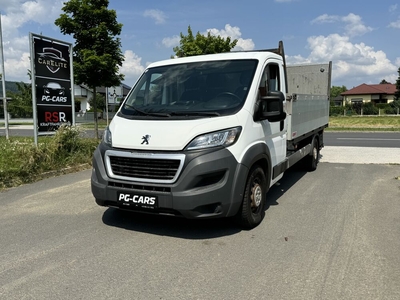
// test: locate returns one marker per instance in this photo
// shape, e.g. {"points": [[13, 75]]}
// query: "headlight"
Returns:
{"points": [[107, 137], [219, 138]]}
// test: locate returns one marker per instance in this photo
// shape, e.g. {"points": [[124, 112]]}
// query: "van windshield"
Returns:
{"points": [[194, 90]]}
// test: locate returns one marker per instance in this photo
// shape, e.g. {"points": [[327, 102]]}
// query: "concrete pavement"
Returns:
{"points": [[360, 155]]}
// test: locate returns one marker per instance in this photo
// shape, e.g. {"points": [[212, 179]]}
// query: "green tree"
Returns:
{"points": [[100, 102], [395, 105], [384, 82], [97, 51], [191, 45], [336, 91], [21, 104], [397, 93]]}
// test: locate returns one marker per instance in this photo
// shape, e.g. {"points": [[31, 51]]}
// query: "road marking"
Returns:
{"points": [[367, 139]]}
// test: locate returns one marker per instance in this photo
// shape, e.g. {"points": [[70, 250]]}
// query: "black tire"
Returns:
{"points": [[311, 161], [252, 211]]}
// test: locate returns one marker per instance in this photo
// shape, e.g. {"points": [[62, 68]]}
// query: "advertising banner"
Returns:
{"points": [[50, 118], [51, 59], [52, 92], [52, 84]]}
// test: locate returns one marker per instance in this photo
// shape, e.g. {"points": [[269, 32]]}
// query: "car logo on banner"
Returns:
{"points": [[52, 58], [54, 88]]}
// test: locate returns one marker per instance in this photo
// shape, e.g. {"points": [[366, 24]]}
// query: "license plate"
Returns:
{"points": [[137, 200]]}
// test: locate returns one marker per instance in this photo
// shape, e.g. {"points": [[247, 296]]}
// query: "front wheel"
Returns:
{"points": [[252, 211]]}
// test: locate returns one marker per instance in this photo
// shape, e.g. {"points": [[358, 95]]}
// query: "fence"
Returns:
{"points": [[88, 117], [367, 109]]}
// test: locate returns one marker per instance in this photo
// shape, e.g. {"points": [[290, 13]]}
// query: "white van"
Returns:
{"points": [[207, 136]]}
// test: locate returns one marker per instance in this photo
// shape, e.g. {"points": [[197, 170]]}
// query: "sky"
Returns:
{"points": [[361, 38]]}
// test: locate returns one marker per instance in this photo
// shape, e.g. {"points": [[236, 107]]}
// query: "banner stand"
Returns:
{"points": [[52, 84]]}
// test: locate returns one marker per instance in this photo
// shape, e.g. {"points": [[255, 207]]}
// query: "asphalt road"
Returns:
{"points": [[329, 234], [363, 139]]}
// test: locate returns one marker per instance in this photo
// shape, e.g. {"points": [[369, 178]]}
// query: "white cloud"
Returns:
{"points": [[155, 14], [325, 18], [351, 62], [15, 14], [395, 24], [234, 33], [17, 68], [354, 24], [132, 67], [229, 31], [171, 42], [14, 48]]}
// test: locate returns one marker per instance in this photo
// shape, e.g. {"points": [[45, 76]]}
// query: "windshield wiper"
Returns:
{"points": [[175, 113], [196, 113], [148, 113]]}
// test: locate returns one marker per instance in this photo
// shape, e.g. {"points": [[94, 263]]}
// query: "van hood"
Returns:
{"points": [[165, 135]]}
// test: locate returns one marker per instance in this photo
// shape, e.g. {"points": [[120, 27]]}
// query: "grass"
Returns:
{"points": [[2, 124], [102, 124], [22, 162], [370, 123]]}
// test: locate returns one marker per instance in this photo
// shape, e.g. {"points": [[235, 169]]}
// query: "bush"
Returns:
{"points": [[22, 162], [385, 108], [369, 109], [356, 108], [395, 105], [349, 109], [336, 111]]}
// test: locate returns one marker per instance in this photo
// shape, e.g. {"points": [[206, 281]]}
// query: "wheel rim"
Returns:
{"points": [[315, 153], [256, 196]]}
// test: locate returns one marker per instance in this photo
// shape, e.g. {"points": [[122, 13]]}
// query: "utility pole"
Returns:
{"points": [[3, 79]]}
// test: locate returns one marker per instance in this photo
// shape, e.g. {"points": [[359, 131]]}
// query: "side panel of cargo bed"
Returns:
{"points": [[307, 113], [308, 109]]}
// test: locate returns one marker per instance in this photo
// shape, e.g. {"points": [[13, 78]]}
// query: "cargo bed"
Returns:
{"points": [[308, 106]]}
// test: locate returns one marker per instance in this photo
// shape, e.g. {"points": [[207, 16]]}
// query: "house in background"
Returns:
{"points": [[114, 95], [83, 94], [337, 101], [375, 93]]}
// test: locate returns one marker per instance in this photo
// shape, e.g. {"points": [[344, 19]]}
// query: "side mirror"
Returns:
{"points": [[270, 107]]}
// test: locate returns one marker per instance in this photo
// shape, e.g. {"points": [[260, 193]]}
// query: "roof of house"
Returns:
{"points": [[370, 89]]}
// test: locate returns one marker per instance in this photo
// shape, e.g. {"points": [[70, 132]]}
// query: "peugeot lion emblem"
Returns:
{"points": [[146, 139]]}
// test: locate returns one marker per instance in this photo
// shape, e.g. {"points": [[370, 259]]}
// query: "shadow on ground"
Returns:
{"points": [[194, 229]]}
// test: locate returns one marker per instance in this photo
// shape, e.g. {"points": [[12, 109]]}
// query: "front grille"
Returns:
{"points": [[143, 167], [147, 188]]}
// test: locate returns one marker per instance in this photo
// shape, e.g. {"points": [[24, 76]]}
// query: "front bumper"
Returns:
{"points": [[211, 184]]}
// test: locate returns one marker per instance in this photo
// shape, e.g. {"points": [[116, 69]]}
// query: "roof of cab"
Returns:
{"points": [[259, 55]]}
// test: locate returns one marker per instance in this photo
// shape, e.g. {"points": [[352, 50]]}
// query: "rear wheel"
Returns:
{"points": [[252, 211], [311, 160]]}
